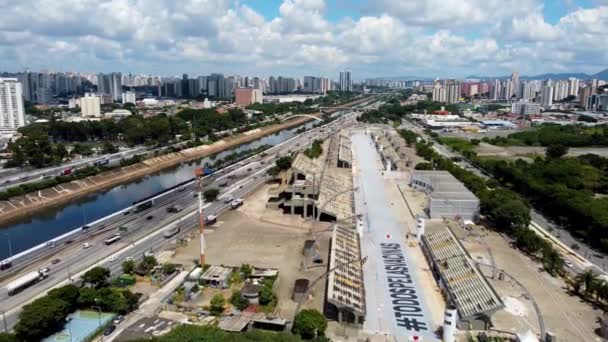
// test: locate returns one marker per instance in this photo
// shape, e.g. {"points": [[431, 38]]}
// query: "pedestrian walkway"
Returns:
{"points": [[394, 299]]}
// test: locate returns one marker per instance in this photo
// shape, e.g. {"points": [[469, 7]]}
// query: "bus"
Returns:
{"points": [[112, 239], [143, 206]]}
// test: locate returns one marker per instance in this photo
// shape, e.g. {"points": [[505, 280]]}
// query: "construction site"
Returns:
{"points": [[384, 251]]}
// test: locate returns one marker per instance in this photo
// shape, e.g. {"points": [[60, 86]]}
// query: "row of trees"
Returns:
{"points": [[47, 315], [197, 333], [588, 284], [549, 134], [507, 210], [563, 189]]}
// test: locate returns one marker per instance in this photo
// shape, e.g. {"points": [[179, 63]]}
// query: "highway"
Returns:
{"points": [[576, 261], [18, 176], [68, 259]]}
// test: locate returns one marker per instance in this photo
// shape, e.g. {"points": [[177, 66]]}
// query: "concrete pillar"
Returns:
{"points": [[339, 315], [420, 226], [449, 324]]}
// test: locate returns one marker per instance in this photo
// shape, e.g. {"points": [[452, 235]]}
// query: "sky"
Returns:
{"points": [[372, 38]]}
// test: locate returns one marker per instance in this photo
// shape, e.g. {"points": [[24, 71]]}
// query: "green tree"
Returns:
{"points": [[87, 297], [169, 268], [266, 294], [238, 301], [6, 337], [96, 277], [146, 265], [556, 151], [588, 279], [273, 171], [217, 304], [284, 163], [210, 195], [68, 294], [128, 266], [246, 270], [108, 148], [309, 323], [82, 149], [424, 166], [41, 318]]}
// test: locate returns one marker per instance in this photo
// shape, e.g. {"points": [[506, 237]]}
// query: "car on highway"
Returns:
{"points": [[112, 258], [87, 245], [55, 261], [568, 264], [149, 217], [129, 258]]}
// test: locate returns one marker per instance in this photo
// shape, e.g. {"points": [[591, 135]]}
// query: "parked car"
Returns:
{"points": [[109, 330]]}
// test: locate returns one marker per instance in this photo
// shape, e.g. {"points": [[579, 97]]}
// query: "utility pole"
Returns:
{"points": [[4, 320], [198, 174]]}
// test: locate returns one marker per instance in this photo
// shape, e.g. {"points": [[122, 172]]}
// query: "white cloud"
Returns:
{"points": [[426, 37]]}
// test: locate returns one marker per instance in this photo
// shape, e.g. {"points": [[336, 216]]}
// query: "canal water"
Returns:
{"points": [[47, 224]]}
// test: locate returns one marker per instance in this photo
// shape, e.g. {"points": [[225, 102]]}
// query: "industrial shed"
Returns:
{"points": [[448, 197]]}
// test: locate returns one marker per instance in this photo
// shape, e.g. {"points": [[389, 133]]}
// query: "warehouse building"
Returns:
{"points": [[448, 197]]}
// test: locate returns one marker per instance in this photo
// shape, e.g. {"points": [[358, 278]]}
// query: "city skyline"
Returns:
{"points": [[306, 37]]}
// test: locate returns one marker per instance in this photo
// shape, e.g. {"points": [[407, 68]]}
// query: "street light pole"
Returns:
{"points": [[10, 246]]}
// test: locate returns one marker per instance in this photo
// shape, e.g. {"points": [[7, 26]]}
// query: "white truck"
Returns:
{"points": [[27, 280]]}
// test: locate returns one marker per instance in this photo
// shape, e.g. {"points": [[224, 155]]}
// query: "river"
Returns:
{"points": [[50, 223]]}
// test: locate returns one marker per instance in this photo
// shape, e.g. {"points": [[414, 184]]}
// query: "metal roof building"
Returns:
{"points": [[345, 284], [466, 287], [448, 197]]}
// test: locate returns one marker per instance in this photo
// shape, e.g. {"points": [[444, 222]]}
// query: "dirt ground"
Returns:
{"points": [[565, 315], [263, 238], [529, 152]]}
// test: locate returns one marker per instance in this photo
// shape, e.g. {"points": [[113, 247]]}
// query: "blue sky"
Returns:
{"points": [[373, 38]]}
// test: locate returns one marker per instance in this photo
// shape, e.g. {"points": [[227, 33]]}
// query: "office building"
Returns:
{"points": [[12, 113], [90, 105], [246, 96], [128, 97], [346, 83]]}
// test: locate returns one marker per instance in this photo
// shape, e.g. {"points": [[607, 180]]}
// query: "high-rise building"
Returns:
{"points": [[515, 84], [547, 96], [573, 86], [346, 83], [128, 97], [452, 88], [525, 108], [439, 93], [12, 113], [90, 105], [583, 96], [496, 90], [246, 96], [560, 90]]}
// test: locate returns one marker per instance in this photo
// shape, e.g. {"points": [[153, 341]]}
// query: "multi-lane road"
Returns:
{"points": [[18, 176], [68, 259]]}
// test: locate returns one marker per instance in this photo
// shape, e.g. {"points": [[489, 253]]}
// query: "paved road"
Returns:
{"points": [[596, 258], [145, 228], [18, 176], [393, 297]]}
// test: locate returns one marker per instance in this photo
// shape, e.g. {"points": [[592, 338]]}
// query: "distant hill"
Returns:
{"points": [[602, 75]]}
